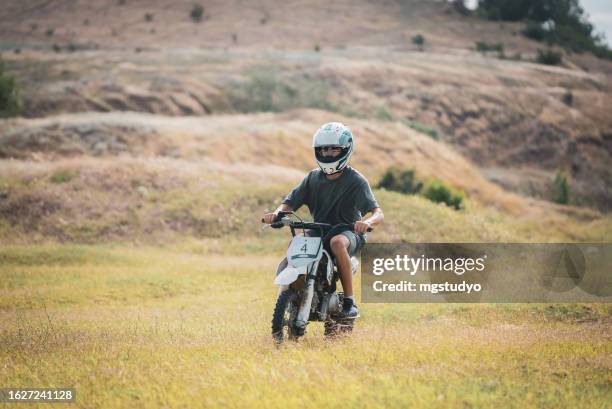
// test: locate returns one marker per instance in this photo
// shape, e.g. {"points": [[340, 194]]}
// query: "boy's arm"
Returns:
{"points": [[376, 217], [271, 217]]}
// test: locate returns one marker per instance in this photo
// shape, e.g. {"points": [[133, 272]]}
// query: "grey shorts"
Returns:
{"points": [[356, 241]]}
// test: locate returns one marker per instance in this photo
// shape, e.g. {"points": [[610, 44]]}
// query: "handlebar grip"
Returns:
{"points": [[274, 225], [369, 229]]}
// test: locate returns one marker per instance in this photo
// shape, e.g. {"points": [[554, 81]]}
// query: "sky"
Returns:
{"points": [[599, 13]]}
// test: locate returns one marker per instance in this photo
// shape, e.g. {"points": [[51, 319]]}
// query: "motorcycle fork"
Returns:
{"points": [[306, 301]]}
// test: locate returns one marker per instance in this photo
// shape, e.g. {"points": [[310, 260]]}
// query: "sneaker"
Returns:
{"points": [[349, 309]]}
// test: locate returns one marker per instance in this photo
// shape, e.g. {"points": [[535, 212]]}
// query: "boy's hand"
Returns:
{"points": [[362, 227], [269, 218]]}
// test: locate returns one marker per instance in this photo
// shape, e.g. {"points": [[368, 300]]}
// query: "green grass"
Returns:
{"points": [[188, 325]]}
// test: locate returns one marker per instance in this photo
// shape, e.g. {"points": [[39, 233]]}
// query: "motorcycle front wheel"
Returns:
{"points": [[285, 313]]}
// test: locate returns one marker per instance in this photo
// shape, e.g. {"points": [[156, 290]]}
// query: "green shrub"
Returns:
{"points": [[419, 41], [549, 57], [419, 127], [61, 176], [197, 12], [398, 180], [148, 17], [438, 192], [10, 104], [265, 90], [568, 98], [561, 189], [535, 31], [602, 51], [381, 113], [483, 47], [459, 6]]}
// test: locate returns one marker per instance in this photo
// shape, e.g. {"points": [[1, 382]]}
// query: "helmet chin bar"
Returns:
{"points": [[328, 168], [332, 165], [329, 171]]}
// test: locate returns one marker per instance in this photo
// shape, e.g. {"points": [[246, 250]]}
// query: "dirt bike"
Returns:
{"points": [[307, 280]]}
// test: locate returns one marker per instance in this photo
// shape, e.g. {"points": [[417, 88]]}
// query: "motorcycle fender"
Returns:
{"points": [[289, 275]]}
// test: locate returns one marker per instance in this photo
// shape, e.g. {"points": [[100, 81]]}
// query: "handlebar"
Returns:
{"points": [[283, 221]]}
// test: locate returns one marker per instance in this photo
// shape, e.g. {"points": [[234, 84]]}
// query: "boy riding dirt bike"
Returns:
{"points": [[336, 195]]}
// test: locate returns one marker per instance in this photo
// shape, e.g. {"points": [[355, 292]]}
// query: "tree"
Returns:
{"points": [[10, 104], [561, 22]]}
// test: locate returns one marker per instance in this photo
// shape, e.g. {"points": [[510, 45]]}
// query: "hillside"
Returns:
{"points": [[105, 177], [105, 87]]}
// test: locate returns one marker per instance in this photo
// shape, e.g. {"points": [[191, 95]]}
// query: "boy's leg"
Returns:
{"points": [[341, 245]]}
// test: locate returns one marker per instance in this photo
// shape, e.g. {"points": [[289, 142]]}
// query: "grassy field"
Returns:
{"points": [[188, 326], [132, 264]]}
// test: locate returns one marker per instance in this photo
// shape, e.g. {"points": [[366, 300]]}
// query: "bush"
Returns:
{"points": [[438, 192], [397, 180], [549, 57], [267, 91], [10, 105], [484, 47], [381, 113], [561, 189], [459, 6], [601, 51], [61, 176], [419, 127], [419, 41], [197, 12], [535, 31], [568, 98], [148, 17]]}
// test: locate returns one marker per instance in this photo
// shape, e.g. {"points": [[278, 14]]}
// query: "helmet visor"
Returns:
{"points": [[333, 153]]}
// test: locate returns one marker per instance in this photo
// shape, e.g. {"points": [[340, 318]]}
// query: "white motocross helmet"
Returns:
{"points": [[334, 134]]}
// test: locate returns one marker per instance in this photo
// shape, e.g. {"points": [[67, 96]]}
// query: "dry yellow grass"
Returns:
{"points": [[151, 327]]}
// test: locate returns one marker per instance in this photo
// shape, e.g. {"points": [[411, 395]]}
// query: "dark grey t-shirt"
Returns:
{"points": [[344, 200]]}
